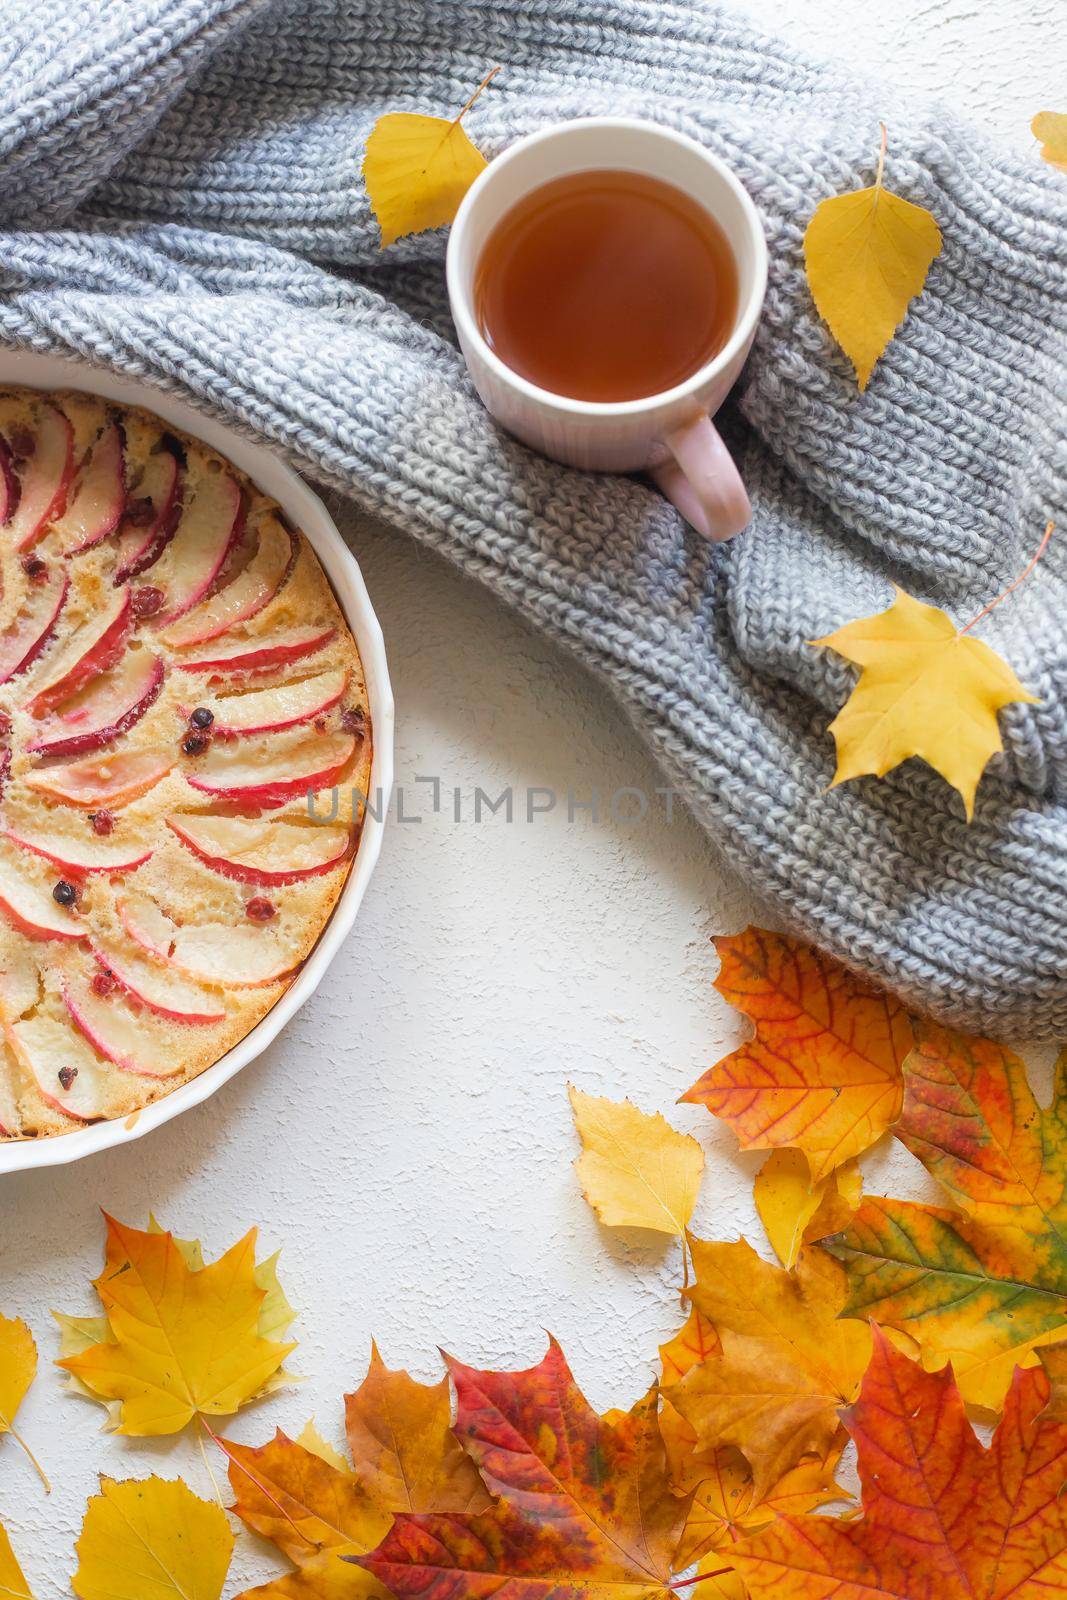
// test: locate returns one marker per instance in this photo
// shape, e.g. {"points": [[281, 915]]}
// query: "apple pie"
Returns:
{"points": [[184, 747]]}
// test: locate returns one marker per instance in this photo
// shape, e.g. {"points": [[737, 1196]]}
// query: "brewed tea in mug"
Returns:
{"points": [[606, 286]]}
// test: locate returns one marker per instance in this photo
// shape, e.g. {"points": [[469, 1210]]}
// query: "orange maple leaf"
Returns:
{"points": [[316, 1510], [403, 1447], [725, 1507], [695, 1341], [585, 1506], [943, 1518], [822, 1073], [785, 1366], [291, 1496]]}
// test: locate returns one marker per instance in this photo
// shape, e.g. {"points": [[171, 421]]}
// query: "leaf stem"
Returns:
{"points": [[37, 1467], [490, 75], [880, 174], [1031, 564], [701, 1577], [201, 1427]]}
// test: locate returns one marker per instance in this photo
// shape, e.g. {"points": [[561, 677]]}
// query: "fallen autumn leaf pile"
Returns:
{"points": [[719, 1477]]}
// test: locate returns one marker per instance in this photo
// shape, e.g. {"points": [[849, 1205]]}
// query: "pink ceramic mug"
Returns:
{"points": [[671, 435]]}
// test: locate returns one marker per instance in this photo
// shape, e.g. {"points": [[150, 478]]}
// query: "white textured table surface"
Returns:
{"points": [[408, 1142]]}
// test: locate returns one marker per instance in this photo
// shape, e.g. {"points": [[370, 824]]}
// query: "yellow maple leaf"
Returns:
{"points": [[636, 1171], [926, 689], [795, 1210], [867, 255], [1051, 128], [151, 1539], [787, 1362], [417, 169], [12, 1581], [182, 1341], [18, 1368]]}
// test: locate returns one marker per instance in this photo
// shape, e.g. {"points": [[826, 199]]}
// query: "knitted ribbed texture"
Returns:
{"points": [[180, 199]]}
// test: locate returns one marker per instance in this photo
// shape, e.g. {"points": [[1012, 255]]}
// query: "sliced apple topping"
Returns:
{"points": [[104, 711], [22, 643], [267, 851], [103, 781], [271, 710], [99, 497], [166, 994], [44, 478], [147, 925], [244, 597], [235, 958], [209, 528], [151, 516], [79, 855], [91, 648], [260, 655], [61, 1063], [121, 1036], [217, 953], [32, 910], [275, 772], [20, 979]]}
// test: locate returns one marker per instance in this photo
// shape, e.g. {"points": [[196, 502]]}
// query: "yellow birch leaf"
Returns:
{"points": [[18, 1368], [13, 1585], [1051, 128], [152, 1539], [181, 1342], [636, 1171], [867, 255], [926, 689], [417, 170], [795, 1210]]}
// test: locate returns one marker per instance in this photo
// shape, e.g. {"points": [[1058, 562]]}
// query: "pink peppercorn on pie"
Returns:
{"points": [[176, 678]]}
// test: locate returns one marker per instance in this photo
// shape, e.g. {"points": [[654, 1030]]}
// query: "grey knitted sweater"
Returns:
{"points": [[180, 198]]}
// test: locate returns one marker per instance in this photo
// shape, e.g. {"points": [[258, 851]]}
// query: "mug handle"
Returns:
{"points": [[701, 480]]}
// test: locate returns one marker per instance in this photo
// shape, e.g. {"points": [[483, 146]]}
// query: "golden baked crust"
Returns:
{"points": [[145, 578]]}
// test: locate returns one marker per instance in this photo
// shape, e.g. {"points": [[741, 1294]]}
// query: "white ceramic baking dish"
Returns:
{"points": [[306, 511]]}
